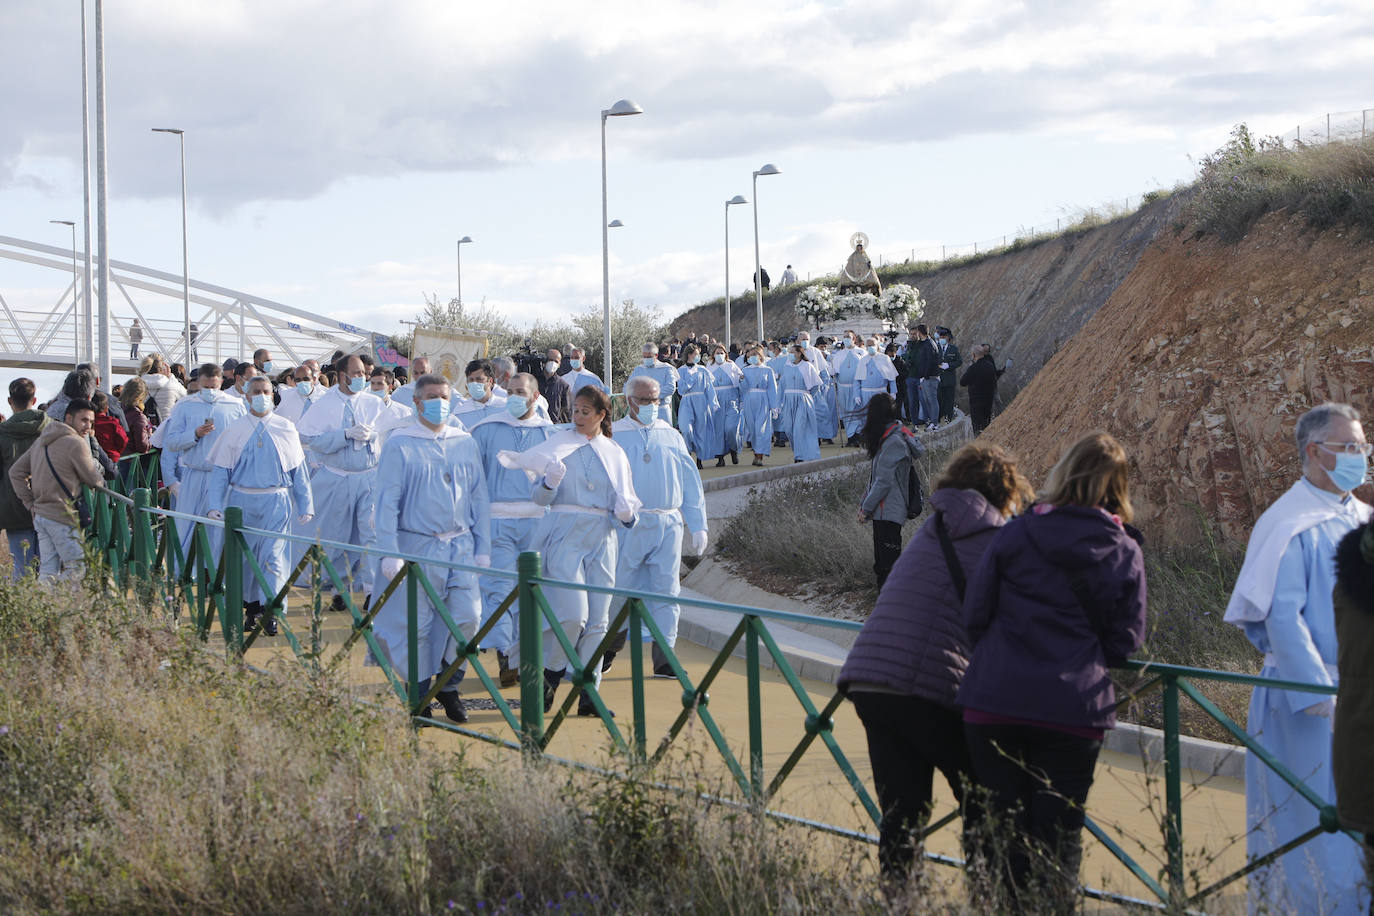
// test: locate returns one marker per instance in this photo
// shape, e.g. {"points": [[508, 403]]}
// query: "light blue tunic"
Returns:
{"points": [[725, 429], [259, 467], [194, 469], [761, 398], [669, 486], [1324, 875], [799, 414], [346, 500], [581, 378], [696, 412], [666, 376], [509, 536], [847, 395], [827, 416], [432, 502]]}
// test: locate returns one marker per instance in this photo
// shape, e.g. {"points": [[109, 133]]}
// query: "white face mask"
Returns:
{"points": [[551, 367], [648, 361], [720, 359]]}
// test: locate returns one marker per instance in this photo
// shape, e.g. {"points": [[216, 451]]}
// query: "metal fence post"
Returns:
{"points": [[751, 664], [413, 694], [1173, 793], [232, 559], [143, 537], [529, 566]]}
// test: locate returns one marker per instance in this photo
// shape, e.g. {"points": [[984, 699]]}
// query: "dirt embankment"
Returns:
{"points": [[1026, 303], [1201, 362]]}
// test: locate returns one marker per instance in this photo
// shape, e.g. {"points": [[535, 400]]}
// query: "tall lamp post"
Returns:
{"points": [[76, 285], [465, 240], [87, 329], [102, 194], [737, 199], [619, 109], [185, 262], [768, 169]]}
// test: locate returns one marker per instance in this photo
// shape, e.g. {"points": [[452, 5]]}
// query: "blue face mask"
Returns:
{"points": [[262, 403], [433, 410], [1350, 470], [357, 384], [267, 367], [304, 389], [648, 413], [207, 395], [753, 360], [575, 363], [517, 404], [871, 349], [477, 390], [794, 359]]}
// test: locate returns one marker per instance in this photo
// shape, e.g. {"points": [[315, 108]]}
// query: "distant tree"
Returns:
{"points": [[631, 328]]}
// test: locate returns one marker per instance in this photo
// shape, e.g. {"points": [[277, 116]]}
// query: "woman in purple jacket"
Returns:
{"points": [[1058, 598], [906, 664]]}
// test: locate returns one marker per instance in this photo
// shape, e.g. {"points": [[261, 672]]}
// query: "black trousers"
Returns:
{"points": [[980, 412], [909, 738], [887, 547], [1037, 781], [946, 398]]}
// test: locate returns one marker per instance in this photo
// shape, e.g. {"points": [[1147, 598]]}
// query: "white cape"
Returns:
{"points": [[562, 444], [876, 362], [232, 441]]}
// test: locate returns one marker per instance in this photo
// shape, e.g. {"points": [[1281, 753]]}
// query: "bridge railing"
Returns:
{"points": [[141, 547]]}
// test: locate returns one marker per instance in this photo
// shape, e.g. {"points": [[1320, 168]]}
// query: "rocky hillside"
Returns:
{"points": [[1026, 303], [1201, 361]]}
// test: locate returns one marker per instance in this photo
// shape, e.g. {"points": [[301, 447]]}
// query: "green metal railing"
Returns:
{"points": [[140, 546]]}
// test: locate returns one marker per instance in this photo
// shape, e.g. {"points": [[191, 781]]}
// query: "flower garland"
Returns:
{"points": [[899, 303], [816, 304]]}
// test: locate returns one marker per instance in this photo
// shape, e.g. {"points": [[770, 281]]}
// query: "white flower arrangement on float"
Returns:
{"points": [[899, 303], [816, 304], [852, 304]]}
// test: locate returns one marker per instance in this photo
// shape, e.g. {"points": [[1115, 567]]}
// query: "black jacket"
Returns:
{"points": [[559, 395], [981, 378], [923, 361]]}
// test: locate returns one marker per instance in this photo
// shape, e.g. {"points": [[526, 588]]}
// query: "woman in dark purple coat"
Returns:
{"points": [[1058, 598], [906, 664]]}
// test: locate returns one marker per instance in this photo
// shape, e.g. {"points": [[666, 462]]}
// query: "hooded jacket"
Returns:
{"points": [[71, 457], [914, 641], [886, 497], [1352, 753], [17, 436], [1040, 651]]}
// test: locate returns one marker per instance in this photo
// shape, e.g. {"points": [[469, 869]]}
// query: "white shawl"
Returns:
{"points": [[328, 412], [562, 444], [504, 417], [1291, 514], [230, 445], [879, 362], [810, 377]]}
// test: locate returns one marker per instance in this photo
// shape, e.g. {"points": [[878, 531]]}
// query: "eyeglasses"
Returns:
{"points": [[1349, 448]]}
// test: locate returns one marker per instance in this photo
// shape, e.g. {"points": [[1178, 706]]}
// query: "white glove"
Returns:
{"points": [[698, 543], [304, 519], [944, 365], [360, 433], [625, 517], [553, 473], [215, 514], [775, 413], [175, 488], [391, 567], [1007, 364], [1326, 708], [483, 560]]}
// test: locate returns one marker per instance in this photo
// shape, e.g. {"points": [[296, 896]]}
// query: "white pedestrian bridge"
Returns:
{"points": [[228, 322]]}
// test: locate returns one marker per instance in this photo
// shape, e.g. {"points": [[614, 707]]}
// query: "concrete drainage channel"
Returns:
{"points": [[818, 652]]}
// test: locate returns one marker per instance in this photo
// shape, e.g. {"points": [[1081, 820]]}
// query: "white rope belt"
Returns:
{"points": [[694, 394], [673, 512], [1272, 661], [517, 510], [580, 510], [342, 473], [444, 536], [256, 491]]}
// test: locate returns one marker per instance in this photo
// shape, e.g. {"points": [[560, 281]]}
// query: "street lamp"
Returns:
{"points": [[185, 268], [737, 199], [76, 284], [465, 240], [768, 169], [619, 109], [615, 224]]}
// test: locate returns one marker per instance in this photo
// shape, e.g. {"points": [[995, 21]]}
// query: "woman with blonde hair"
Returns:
{"points": [[1057, 600]]}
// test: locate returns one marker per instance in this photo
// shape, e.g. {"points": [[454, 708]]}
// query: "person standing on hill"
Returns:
{"points": [[980, 378], [17, 436], [1283, 602], [923, 368], [47, 479], [888, 502], [950, 360], [789, 276]]}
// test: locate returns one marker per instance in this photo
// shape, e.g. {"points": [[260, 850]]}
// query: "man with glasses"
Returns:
{"points": [[1282, 600]]}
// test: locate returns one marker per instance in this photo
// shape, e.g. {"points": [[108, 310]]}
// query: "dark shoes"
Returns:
{"points": [[453, 706], [720, 462], [252, 613], [606, 661], [509, 676], [269, 624], [551, 681], [586, 708], [662, 668], [734, 458], [337, 606], [698, 464]]}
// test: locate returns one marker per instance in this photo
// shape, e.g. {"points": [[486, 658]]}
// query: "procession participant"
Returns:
{"points": [[585, 482], [242, 373], [556, 392], [167, 459], [950, 360], [514, 516], [875, 373], [923, 366], [580, 375], [192, 431], [259, 465], [830, 424], [800, 385], [980, 379], [405, 395], [301, 395], [725, 431], [395, 414], [696, 413], [670, 490], [482, 401], [777, 363], [826, 420], [661, 372], [341, 431], [846, 365], [432, 502], [762, 403], [1283, 602]]}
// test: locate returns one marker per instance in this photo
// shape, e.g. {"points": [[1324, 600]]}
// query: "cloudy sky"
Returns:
{"points": [[337, 150]]}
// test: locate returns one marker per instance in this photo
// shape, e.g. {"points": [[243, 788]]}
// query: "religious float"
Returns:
{"points": [[858, 302]]}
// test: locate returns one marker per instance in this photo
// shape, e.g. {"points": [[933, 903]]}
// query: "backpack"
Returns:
{"points": [[150, 411], [914, 502]]}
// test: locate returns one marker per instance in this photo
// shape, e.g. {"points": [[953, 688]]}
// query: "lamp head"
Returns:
{"points": [[615, 224], [768, 169], [168, 130], [62, 222], [465, 240], [737, 199], [622, 108]]}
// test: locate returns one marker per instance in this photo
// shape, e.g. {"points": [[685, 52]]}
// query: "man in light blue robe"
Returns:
{"points": [[432, 502], [1282, 600], [192, 432], [481, 401], [341, 431], [697, 409], [259, 465], [660, 372], [669, 486], [799, 384], [827, 423], [514, 516], [581, 376]]}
